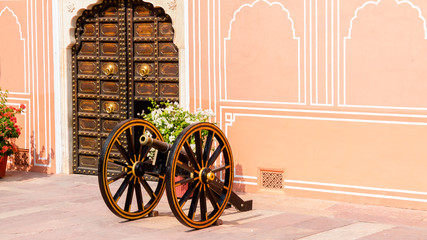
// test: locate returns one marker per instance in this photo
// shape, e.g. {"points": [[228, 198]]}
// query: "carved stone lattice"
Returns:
{"points": [[172, 5], [272, 180], [70, 7]]}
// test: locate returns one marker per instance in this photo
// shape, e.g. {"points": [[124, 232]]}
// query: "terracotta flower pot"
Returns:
{"points": [[3, 162]]}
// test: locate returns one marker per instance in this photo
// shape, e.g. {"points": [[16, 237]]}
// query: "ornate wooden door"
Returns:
{"points": [[124, 55]]}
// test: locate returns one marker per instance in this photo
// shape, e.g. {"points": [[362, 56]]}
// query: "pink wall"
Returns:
{"points": [[331, 93], [26, 70]]}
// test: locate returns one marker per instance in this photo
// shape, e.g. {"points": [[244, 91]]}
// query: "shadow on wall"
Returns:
{"points": [[238, 186], [20, 161]]}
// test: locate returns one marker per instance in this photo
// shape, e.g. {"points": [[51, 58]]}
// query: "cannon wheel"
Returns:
{"points": [[199, 175], [135, 167]]}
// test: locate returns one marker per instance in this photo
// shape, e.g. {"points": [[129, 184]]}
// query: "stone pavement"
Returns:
{"points": [[40, 206]]}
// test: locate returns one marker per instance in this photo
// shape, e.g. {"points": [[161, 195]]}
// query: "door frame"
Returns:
{"points": [[64, 25]]}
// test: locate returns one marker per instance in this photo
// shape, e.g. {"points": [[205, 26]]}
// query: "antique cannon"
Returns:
{"points": [[197, 172]]}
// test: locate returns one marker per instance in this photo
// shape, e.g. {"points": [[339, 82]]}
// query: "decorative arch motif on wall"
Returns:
{"points": [[378, 83], [356, 14], [14, 69], [282, 85]]}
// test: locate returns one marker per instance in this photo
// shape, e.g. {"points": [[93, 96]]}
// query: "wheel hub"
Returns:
{"points": [[206, 175], [137, 169]]}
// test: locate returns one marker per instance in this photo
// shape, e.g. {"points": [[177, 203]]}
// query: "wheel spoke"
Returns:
{"points": [[155, 175], [218, 187], [221, 168], [184, 181], [185, 167], [198, 140], [131, 142], [190, 154], [126, 192], [203, 208], [118, 162], [138, 133], [147, 188], [117, 177], [143, 152], [130, 194], [208, 146], [122, 188], [194, 201], [215, 155], [188, 193], [213, 198], [123, 151], [138, 193]]}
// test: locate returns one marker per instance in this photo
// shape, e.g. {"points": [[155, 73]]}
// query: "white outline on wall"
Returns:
{"points": [[14, 97], [224, 97], [227, 114], [230, 119], [344, 104], [26, 87]]}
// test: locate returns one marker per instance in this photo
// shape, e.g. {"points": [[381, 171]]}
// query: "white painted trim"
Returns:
{"points": [[326, 54], [246, 183], [194, 57], [200, 57], [214, 57], [376, 3], [326, 112], [247, 177], [16, 18], [332, 54], [228, 38], [187, 56], [26, 81], [261, 102], [305, 52], [356, 187], [221, 64], [209, 52], [57, 85], [332, 119], [357, 194], [356, 14]]}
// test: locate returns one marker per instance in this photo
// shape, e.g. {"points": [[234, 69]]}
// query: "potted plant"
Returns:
{"points": [[171, 119], [9, 130]]}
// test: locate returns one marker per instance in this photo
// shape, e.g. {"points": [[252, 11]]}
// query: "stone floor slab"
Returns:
{"points": [[40, 206]]}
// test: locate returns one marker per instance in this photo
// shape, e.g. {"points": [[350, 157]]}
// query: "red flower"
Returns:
{"points": [[9, 130]]}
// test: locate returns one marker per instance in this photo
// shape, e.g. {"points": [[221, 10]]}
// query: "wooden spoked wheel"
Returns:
{"points": [[199, 175], [125, 168]]}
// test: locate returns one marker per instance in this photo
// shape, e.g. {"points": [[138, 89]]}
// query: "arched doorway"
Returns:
{"points": [[124, 55]]}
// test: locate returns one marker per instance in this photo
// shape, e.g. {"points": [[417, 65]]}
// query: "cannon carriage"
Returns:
{"points": [[196, 171]]}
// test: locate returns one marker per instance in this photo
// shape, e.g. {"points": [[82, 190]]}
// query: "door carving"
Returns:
{"points": [[124, 55]]}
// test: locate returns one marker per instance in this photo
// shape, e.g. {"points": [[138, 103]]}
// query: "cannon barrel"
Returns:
{"points": [[163, 147], [151, 142]]}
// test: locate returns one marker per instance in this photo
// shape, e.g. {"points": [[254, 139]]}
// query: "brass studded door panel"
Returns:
{"points": [[124, 55]]}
